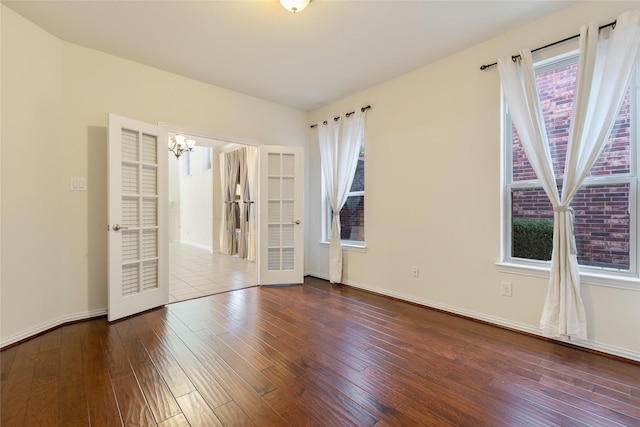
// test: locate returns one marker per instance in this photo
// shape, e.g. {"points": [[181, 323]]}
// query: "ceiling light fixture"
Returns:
{"points": [[294, 5], [178, 144]]}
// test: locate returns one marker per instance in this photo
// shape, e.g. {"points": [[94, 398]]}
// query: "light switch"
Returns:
{"points": [[78, 184]]}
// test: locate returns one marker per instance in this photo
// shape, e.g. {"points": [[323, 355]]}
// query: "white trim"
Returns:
{"points": [[196, 245], [605, 348], [586, 278], [557, 61], [173, 128], [51, 324], [505, 174], [348, 245]]}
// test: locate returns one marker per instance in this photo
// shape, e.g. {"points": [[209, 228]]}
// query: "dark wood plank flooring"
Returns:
{"points": [[311, 355]]}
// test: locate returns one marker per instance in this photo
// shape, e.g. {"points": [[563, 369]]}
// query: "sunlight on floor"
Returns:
{"points": [[195, 272]]}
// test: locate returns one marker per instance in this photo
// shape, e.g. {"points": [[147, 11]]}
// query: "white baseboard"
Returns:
{"points": [[5, 341], [604, 348], [197, 245]]}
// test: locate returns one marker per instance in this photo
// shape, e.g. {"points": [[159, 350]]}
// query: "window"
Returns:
{"points": [[186, 163], [352, 213], [207, 154], [605, 206]]}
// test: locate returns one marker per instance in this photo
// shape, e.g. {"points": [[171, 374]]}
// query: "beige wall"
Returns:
{"points": [[55, 100], [196, 202], [433, 192]]}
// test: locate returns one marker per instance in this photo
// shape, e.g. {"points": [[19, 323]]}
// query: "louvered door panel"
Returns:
{"points": [[137, 220], [139, 187]]}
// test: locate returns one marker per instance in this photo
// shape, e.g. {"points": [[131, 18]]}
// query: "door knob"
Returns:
{"points": [[296, 222], [118, 228]]}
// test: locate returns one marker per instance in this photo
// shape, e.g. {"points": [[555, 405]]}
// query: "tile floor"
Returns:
{"points": [[195, 272]]}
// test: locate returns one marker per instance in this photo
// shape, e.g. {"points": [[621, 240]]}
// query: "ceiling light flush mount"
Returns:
{"points": [[294, 5], [178, 144]]}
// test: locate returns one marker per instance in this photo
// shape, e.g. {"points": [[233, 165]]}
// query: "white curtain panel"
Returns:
{"points": [[604, 72], [339, 149], [224, 244], [252, 183], [244, 226]]}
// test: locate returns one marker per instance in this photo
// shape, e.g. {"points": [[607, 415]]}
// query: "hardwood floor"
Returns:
{"points": [[311, 355]]}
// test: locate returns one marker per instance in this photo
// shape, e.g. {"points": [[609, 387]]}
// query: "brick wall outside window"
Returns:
{"points": [[352, 213], [602, 223]]}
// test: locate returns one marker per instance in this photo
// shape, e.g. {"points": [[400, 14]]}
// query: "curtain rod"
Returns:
{"points": [[335, 119], [514, 57]]}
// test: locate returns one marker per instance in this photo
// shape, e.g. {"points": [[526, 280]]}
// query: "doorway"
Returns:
{"points": [[197, 267], [138, 216]]}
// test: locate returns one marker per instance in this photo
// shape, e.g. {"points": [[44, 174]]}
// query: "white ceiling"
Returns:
{"points": [[307, 60]]}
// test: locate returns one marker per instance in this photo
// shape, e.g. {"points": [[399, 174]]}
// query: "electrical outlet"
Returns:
{"points": [[506, 289], [415, 271]]}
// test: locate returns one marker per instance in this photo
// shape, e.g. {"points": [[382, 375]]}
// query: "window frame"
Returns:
{"points": [[187, 164], [589, 274], [354, 245], [207, 158]]}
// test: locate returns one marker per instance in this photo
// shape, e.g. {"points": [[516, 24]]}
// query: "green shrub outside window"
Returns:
{"points": [[532, 238]]}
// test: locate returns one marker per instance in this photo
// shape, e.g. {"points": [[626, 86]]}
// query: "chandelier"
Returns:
{"points": [[178, 144], [294, 5]]}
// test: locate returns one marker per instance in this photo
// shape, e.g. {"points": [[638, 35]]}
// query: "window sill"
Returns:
{"points": [[349, 245], [586, 278]]}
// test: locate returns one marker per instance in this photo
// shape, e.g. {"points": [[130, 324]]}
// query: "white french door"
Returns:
{"points": [[281, 250], [137, 216]]}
